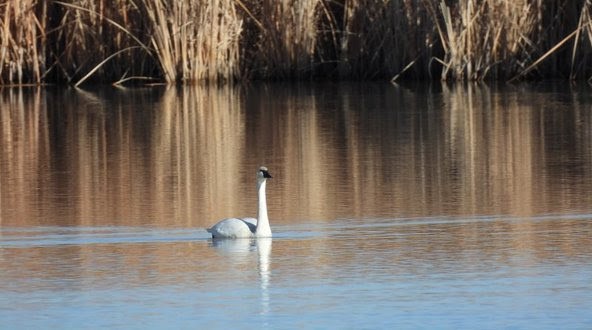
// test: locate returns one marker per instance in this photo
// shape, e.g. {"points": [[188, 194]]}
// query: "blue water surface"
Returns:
{"points": [[445, 273]]}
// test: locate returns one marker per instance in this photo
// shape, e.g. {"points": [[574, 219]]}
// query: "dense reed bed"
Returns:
{"points": [[187, 41]]}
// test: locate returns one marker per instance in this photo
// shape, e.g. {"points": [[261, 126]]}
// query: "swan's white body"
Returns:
{"points": [[247, 227]]}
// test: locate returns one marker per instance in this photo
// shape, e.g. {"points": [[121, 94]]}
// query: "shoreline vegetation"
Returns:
{"points": [[224, 41]]}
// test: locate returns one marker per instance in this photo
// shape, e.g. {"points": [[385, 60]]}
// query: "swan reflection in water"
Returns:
{"points": [[237, 251]]}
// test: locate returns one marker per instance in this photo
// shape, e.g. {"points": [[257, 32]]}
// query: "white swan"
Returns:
{"points": [[247, 227]]}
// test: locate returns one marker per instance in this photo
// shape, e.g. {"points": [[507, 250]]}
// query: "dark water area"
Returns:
{"points": [[429, 206]]}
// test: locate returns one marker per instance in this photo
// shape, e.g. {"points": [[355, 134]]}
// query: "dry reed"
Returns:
{"points": [[22, 44], [384, 38], [227, 40], [90, 31], [195, 40], [280, 40], [480, 38]]}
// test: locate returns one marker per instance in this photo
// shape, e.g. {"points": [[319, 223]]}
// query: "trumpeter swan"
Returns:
{"points": [[247, 227]]}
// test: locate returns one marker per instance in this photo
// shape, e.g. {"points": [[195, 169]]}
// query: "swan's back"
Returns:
{"points": [[234, 228]]}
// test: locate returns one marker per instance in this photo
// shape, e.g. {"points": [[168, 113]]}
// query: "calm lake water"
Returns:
{"points": [[392, 207]]}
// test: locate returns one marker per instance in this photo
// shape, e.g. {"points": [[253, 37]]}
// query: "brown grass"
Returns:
{"points": [[490, 37], [279, 38], [21, 45], [188, 41], [195, 40], [383, 39], [87, 32]]}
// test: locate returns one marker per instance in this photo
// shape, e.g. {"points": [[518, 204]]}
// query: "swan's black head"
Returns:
{"points": [[264, 173]]}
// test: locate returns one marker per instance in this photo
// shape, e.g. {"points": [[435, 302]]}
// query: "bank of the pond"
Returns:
{"points": [[184, 41]]}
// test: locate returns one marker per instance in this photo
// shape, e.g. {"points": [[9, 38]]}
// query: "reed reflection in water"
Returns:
{"points": [[186, 157]]}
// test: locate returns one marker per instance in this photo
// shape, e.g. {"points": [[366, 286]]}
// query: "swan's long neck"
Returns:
{"points": [[263, 229]]}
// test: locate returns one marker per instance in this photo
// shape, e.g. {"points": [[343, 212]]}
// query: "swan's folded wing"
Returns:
{"points": [[251, 222]]}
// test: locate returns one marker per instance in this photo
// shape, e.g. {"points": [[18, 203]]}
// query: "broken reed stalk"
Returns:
{"points": [[100, 65]]}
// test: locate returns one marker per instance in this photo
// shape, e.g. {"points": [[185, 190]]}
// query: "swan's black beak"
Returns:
{"points": [[266, 174]]}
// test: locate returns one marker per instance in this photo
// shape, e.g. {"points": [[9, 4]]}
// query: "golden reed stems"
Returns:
{"points": [[217, 41]]}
